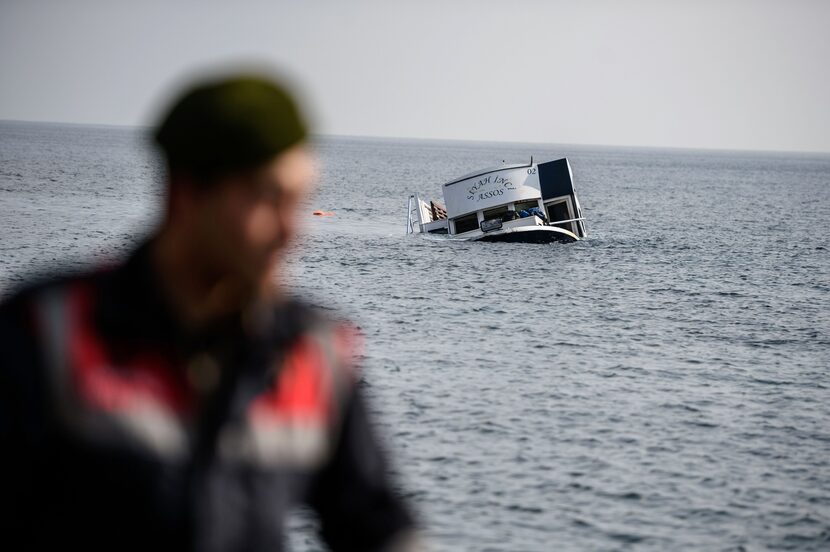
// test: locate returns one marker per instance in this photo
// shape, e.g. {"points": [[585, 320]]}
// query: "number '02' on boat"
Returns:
{"points": [[530, 203]]}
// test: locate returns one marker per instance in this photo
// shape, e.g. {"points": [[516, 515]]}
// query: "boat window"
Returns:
{"points": [[525, 205], [466, 223], [559, 211], [497, 213]]}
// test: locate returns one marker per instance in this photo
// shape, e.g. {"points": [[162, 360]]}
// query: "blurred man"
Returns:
{"points": [[179, 401]]}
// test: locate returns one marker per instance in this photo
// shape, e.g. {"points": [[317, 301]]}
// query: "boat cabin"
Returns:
{"points": [[533, 202]]}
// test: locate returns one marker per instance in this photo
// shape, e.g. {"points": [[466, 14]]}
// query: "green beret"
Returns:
{"points": [[230, 124]]}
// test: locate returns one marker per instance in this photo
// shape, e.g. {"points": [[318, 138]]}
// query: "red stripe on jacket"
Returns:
{"points": [[304, 388], [145, 375]]}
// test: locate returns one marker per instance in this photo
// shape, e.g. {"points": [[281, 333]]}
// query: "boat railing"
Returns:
{"points": [[565, 221], [409, 211]]}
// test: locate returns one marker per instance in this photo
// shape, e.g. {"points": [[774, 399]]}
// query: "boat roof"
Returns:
{"points": [[501, 167]]}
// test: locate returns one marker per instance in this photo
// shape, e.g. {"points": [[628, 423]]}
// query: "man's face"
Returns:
{"points": [[245, 222]]}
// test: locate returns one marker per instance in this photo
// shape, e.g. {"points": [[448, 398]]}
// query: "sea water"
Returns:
{"points": [[662, 385]]}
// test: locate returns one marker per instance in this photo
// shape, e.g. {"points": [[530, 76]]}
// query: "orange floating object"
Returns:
{"points": [[323, 213]]}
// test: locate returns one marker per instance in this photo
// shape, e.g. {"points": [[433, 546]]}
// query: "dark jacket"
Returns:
{"points": [[121, 431]]}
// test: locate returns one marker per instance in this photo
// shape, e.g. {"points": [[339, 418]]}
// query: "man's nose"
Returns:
{"points": [[267, 226]]}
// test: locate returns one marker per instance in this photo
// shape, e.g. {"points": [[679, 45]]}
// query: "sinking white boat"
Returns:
{"points": [[531, 203]]}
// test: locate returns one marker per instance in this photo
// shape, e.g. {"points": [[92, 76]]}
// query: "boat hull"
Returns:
{"points": [[533, 234], [529, 237]]}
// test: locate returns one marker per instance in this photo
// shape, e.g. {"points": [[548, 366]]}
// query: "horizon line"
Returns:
{"points": [[464, 140]]}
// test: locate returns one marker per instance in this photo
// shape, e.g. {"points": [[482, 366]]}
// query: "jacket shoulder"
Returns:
{"points": [[20, 297]]}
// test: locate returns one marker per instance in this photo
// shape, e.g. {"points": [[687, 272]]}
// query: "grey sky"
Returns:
{"points": [[739, 74]]}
